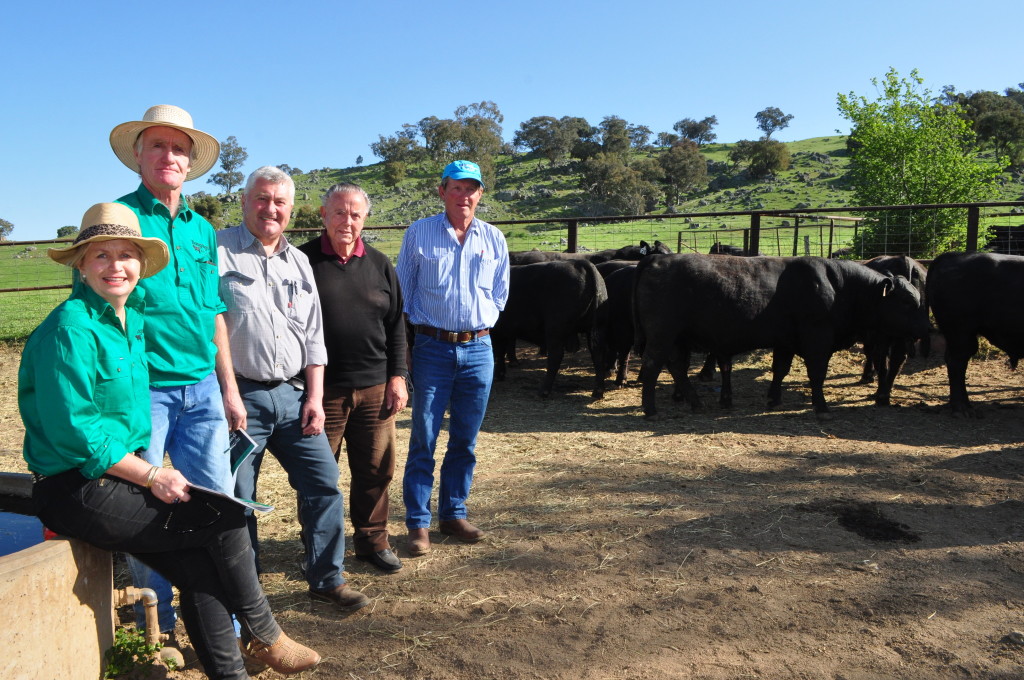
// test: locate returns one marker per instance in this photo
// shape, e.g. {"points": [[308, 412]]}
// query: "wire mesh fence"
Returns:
{"points": [[31, 284]]}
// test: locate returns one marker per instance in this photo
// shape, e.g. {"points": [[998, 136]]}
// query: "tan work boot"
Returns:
{"points": [[286, 656]]}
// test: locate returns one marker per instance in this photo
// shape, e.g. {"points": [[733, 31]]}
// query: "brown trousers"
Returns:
{"points": [[359, 417]]}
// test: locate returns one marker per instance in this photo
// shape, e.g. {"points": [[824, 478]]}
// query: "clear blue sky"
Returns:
{"points": [[313, 84]]}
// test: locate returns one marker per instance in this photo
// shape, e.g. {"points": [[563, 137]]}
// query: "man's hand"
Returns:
{"points": [[396, 395], [234, 411], [312, 417]]}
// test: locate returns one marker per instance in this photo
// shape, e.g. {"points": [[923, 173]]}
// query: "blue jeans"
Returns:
{"points": [[445, 375], [189, 425], [202, 546], [274, 417]]}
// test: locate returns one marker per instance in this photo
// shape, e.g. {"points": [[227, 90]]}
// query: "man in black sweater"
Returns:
{"points": [[365, 376]]}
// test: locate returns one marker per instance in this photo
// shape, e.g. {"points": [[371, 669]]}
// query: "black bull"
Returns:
{"points": [[549, 304], [805, 306], [974, 294]]}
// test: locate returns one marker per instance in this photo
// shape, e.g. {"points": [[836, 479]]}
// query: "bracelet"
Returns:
{"points": [[151, 476]]}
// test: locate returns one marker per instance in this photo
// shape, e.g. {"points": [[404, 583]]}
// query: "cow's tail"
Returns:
{"points": [[597, 293]]}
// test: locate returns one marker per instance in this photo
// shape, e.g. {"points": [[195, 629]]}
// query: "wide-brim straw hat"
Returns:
{"points": [[113, 222], [205, 149]]}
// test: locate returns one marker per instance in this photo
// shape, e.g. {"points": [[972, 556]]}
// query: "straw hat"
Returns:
{"points": [[205, 149], [111, 222]]}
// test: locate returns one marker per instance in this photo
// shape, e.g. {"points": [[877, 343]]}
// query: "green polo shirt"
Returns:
{"points": [[182, 300], [83, 388]]}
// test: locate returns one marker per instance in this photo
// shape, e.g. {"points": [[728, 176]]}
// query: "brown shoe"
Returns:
{"points": [[462, 530], [419, 542], [344, 597], [286, 656]]}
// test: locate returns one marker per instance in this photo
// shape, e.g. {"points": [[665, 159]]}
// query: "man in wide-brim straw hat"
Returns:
{"points": [[193, 395]]}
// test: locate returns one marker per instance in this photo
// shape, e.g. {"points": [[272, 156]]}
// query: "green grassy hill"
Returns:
{"points": [[527, 188]]}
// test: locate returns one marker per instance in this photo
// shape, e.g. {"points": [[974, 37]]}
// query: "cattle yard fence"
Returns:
{"points": [[31, 284]]}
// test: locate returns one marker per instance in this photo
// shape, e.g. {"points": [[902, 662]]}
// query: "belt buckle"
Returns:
{"points": [[450, 336]]}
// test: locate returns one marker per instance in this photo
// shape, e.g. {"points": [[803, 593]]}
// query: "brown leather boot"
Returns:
{"points": [[462, 530], [346, 598], [286, 656], [419, 542]]}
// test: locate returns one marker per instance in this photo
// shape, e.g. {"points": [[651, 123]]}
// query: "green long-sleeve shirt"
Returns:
{"points": [[83, 386], [182, 299]]}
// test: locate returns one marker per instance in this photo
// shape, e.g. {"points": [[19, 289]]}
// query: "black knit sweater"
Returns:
{"points": [[364, 328]]}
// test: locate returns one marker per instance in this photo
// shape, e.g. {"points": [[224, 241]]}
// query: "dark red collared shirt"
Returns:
{"points": [[328, 249]]}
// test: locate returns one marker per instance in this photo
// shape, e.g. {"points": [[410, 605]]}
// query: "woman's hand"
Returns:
{"points": [[170, 486]]}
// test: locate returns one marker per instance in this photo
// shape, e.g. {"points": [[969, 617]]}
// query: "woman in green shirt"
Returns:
{"points": [[83, 391]]}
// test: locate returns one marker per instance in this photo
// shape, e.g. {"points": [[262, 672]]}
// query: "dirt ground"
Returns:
{"points": [[883, 543]]}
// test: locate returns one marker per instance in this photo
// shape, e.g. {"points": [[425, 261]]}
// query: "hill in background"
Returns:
{"points": [[528, 187]]}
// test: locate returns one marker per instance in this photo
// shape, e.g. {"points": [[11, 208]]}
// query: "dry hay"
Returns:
{"points": [[705, 545]]}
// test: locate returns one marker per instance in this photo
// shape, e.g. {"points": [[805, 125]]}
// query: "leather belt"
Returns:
{"points": [[295, 381], [451, 336]]}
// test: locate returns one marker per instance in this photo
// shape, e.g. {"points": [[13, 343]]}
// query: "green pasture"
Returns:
{"points": [[26, 266]]}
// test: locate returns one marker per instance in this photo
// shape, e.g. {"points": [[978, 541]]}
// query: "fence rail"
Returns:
{"points": [[31, 284]]}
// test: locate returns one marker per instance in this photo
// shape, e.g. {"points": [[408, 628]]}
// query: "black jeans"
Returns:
{"points": [[202, 547]]}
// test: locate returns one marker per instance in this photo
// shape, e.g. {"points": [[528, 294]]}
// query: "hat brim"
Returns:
{"points": [[154, 251], [205, 148], [465, 175]]}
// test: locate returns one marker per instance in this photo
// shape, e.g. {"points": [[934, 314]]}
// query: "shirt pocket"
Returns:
{"points": [[299, 298], [437, 271], [483, 272], [238, 291], [114, 384], [207, 282]]}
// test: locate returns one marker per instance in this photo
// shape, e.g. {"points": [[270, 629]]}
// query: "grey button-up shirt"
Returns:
{"points": [[275, 327]]}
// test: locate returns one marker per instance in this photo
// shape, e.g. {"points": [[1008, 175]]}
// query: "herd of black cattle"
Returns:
{"points": [[662, 307]]}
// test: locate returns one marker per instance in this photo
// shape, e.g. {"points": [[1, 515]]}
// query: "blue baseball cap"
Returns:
{"points": [[463, 170]]}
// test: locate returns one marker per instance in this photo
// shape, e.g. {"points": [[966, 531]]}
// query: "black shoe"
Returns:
{"points": [[385, 560]]}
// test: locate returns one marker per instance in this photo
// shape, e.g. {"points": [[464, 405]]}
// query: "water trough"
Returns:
{"points": [[57, 602]]}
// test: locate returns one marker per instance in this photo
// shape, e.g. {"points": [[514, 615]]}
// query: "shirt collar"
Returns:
{"points": [[327, 248], [247, 240], [151, 206], [100, 307], [448, 223]]}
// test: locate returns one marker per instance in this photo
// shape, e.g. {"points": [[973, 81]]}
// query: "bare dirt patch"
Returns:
{"points": [[884, 543]]}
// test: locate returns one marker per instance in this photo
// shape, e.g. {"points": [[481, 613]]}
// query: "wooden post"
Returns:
{"points": [[572, 237], [831, 235], [973, 218], [796, 236], [753, 244]]}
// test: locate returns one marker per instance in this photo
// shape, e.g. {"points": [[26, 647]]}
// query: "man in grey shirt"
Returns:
{"points": [[275, 332]]}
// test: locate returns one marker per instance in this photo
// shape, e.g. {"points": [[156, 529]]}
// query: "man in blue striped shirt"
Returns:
{"points": [[453, 269]]}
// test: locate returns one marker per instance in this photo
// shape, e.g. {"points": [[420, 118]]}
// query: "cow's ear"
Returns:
{"points": [[644, 244]]}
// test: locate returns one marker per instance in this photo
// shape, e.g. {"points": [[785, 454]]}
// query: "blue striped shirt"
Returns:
{"points": [[452, 286]]}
